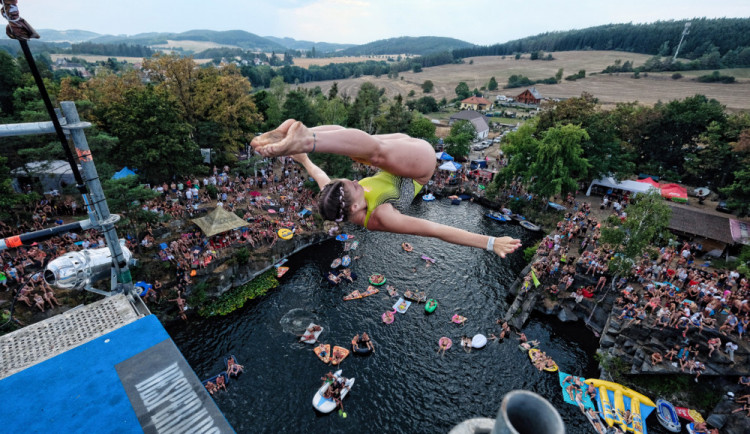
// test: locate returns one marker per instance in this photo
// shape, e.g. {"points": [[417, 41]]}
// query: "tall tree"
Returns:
{"points": [[559, 163], [645, 225], [10, 78], [458, 141], [422, 128], [152, 135], [396, 119], [521, 147], [297, 106], [462, 90], [365, 109], [492, 84]]}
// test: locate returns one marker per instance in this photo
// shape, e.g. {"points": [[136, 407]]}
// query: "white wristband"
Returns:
{"points": [[491, 244]]}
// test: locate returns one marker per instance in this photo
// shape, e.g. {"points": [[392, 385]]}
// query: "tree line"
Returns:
{"points": [[693, 140]]}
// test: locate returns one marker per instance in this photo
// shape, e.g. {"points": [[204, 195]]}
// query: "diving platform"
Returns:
{"points": [[104, 367]]}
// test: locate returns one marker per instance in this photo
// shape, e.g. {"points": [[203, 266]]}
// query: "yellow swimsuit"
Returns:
{"points": [[388, 188]]}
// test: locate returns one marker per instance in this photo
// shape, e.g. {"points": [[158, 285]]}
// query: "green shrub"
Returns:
{"points": [[212, 191], [529, 252], [236, 298], [676, 76]]}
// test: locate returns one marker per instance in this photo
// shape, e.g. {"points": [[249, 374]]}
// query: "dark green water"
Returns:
{"points": [[404, 387]]}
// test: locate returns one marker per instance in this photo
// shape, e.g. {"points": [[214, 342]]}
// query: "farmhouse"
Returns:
{"points": [[477, 119], [475, 103], [530, 96]]}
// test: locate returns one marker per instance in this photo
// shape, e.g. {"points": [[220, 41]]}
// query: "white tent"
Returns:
{"points": [[634, 187], [450, 166]]}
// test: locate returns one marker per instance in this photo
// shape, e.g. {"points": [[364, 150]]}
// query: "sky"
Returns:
{"points": [[482, 22]]}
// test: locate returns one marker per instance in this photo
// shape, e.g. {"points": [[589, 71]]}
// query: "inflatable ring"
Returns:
{"points": [[285, 234], [458, 319], [430, 306], [388, 317], [407, 247], [377, 279], [445, 342]]}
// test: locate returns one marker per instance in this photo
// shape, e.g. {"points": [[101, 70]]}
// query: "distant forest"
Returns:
{"points": [[126, 50], [724, 36]]}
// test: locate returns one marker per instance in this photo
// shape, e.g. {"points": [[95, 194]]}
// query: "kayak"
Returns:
{"points": [[531, 356], [356, 294], [401, 305], [339, 354], [346, 260], [430, 306], [336, 262], [528, 225], [377, 279], [311, 338], [667, 416], [323, 351], [419, 297], [327, 405], [360, 348], [478, 341], [501, 218]]}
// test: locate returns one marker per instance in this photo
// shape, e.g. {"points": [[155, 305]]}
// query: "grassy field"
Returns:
{"points": [[609, 89]]}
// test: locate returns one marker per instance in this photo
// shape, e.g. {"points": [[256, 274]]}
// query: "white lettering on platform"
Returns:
{"points": [[173, 405]]}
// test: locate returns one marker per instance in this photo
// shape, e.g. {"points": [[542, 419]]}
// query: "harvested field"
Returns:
{"points": [[92, 58], [194, 46], [609, 89], [306, 63]]}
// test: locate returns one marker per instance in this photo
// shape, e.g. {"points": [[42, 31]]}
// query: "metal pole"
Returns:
{"points": [[98, 202], [26, 129]]}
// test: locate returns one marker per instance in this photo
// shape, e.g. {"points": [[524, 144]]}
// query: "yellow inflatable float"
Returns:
{"points": [[285, 234], [613, 410]]}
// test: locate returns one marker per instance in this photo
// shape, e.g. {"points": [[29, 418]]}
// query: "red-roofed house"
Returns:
{"points": [[475, 103], [530, 96]]}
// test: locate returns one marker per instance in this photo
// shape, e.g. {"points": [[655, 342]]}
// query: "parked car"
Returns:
{"points": [[722, 206]]}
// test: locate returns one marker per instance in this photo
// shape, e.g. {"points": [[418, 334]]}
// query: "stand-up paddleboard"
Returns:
{"points": [[336, 262], [346, 260], [357, 294]]}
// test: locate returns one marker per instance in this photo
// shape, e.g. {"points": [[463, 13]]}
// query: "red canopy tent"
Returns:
{"points": [[674, 192], [650, 181]]}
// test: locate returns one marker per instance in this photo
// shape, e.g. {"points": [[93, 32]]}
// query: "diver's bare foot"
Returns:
{"points": [[273, 136], [299, 139]]}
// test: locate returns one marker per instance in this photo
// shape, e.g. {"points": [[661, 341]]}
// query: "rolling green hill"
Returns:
{"points": [[50, 35], [237, 38], [320, 47], [420, 45]]}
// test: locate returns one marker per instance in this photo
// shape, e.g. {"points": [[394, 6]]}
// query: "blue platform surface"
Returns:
{"points": [[84, 389]]}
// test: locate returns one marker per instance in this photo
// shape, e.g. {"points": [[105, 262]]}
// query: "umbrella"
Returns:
{"points": [[450, 165], [255, 193], [443, 156], [702, 191]]}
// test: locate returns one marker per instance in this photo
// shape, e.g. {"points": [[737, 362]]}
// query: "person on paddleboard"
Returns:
{"points": [[406, 164]]}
